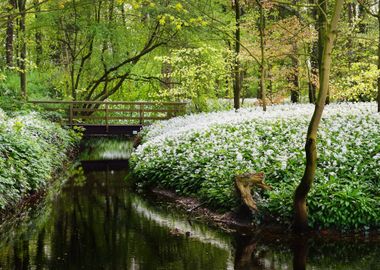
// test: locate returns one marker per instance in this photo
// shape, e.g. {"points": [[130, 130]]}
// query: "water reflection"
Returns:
{"points": [[96, 222], [99, 224], [268, 252], [106, 149]]}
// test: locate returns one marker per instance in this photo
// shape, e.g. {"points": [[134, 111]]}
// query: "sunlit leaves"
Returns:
{"points": [[197, 73], [359, 85]]}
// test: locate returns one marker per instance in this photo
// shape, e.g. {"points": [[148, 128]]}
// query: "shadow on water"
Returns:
{"points": [[96, 222]]}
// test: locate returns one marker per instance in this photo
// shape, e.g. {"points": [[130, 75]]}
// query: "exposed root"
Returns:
{"points": [[244, 184]]}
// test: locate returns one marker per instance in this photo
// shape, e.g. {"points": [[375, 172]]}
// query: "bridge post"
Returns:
{"points": [[71, 114], [107, 127], [141, 114]]}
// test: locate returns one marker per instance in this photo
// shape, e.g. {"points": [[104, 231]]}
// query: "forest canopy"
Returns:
{"points": [[184, 50]]}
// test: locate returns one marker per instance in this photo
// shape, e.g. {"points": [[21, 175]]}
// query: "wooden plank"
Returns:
{"points": [[119, 117], [126, 110], [158, 103]]}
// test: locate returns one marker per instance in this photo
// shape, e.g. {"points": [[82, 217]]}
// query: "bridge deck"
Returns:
{"points": [[107, 118], [110, 130]]}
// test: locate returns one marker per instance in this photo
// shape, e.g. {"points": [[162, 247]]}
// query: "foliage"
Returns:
{"points": [[97, 49], [361, 85], [197, 74], [30, 150], [200, 154]]}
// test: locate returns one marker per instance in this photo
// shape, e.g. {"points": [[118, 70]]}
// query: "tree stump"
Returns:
{"points": [[244, 184]]}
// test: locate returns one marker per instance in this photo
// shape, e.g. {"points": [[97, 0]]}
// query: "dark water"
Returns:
{"points": [[96, 222]]}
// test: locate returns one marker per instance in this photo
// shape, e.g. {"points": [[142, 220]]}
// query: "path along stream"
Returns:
{"points": [[96, 222]]}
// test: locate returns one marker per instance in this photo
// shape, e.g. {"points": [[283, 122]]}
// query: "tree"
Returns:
{"points": [[312, 85], [367, 8], [10, 33], [237, 72], [38, 34], [21, 4], [262, 53], [99, 52], [322, 32], [301, 192]]}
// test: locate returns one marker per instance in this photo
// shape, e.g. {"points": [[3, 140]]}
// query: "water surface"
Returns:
{"points": [[95, 221]]}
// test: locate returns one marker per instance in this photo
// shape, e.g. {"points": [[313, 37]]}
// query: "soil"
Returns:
{"points": [[230, 221], [241, 222]]}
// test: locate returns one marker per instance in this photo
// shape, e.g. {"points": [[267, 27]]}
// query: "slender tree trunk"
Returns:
{"points": [[269, 91], [73, 52], [314, 66], [262, 53], [312, 73], [295, 91], [263, 86], [123, 15], [38, 34], [378, 59], [362, 14], [301, 215], [322, 29], [72, 81], [9, 34], [22, 36], [237, 79]]}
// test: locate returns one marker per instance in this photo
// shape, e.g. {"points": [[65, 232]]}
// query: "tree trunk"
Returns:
{"points": [[300, 218], [9, 34], [322, 29], [314, 66], [295, 91], [38, 34], [237, 76], [262, 50], [313, 74], [361, 15], [378, 59], [263, 86], [22, 36]]}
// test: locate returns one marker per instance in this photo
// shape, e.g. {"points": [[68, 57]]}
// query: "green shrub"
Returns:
{"points": [[30, 150], [200, 154]]}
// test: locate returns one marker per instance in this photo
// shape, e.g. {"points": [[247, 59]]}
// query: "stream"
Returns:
{"points": [[95, 221]]}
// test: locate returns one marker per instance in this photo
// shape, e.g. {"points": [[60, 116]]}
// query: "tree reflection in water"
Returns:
{"points": [[95, 222], [272, 252]]}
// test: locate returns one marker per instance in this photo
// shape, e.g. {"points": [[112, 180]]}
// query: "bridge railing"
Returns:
{"points": [[113, 112]]}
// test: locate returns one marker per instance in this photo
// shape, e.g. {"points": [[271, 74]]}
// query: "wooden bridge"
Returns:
{"points": [[103, 118]]}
